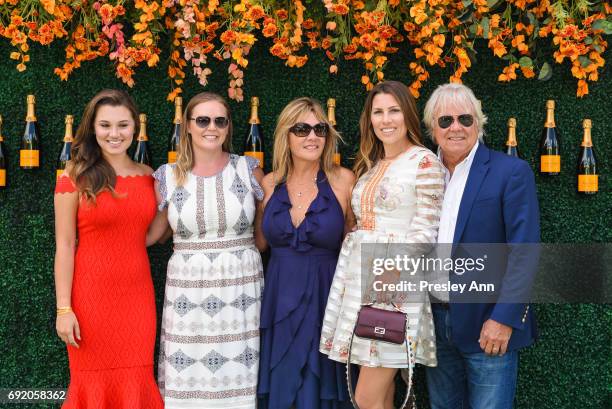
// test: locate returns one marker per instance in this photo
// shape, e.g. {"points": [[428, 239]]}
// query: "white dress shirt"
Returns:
{"points": [[455, 185]]}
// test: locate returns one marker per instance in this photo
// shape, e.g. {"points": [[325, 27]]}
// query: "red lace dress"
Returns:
{"points": [[113, 299]]}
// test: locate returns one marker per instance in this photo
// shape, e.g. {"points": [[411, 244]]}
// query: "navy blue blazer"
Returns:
{"points": [[499, 205]]}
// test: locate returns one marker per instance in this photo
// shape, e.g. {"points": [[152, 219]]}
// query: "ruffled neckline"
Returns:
{"points": [[298, 236]]}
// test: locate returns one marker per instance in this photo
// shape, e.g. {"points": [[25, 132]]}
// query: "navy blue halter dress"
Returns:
{"points": [[292, 371]]}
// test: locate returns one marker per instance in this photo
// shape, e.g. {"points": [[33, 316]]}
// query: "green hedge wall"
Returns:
{"points": [[568, 368]]}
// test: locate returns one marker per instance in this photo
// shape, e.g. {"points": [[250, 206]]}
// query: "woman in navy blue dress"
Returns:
{"points": [[306, 214]]}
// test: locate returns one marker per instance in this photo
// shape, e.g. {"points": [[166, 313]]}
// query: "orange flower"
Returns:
{"points": [[528, 72], [439, 40], [270, 30], [577, 70], [365, 79], [340, 9], [282, 14], [509, 73], [308, 24], [106, 13], [229, 36], [300, 61], [331, 25], [519, 43], [255, 13], [499, 49], [350, 48], [49, 6], [153, 60], [418, 13], [583, 88], [278, 50], [409, 26]]}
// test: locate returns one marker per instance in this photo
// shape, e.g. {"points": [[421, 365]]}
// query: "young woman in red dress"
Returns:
{"points": [[105, 206]]}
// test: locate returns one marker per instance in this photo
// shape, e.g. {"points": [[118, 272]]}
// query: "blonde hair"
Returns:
{"points": [[184, 157], [453, 94], [282, 163], [371, 149]]}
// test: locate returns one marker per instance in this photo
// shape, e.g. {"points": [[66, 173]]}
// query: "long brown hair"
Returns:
{"points": [[282, 163], [90, 171], [371, 149], [184, 157]]}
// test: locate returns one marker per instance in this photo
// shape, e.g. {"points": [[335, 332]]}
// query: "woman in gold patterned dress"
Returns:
{"points": [[397, 199]]}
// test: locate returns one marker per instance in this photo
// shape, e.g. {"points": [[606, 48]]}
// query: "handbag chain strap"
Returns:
{"points": [[409, 390]]}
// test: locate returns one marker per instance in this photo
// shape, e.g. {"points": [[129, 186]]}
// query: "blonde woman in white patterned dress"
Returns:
{"points": [[209, 343], [397, 199]]}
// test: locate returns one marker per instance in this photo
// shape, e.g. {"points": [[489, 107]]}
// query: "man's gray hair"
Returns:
{"points": [[448, 94]]}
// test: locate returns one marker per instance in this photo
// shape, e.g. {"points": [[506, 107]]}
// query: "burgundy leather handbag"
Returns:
{"points": [[381, 325], [387, 326]]}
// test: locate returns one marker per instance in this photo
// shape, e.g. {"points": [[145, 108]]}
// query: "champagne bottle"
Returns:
{"points": [[29, 155], [175, 136], [331, 117], [64, 155], [141, 154], [2, 159], [511, 144], [254, 142], [550, 148], [588, 182]]}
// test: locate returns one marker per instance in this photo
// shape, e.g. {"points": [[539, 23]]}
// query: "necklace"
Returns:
{"points": [[305, 192], [300, 193]]}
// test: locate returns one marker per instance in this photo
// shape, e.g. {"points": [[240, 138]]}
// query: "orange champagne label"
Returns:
{"points": [[28, 157], [337, 159], [257, 155], [550, 163], [171, 156], [2, 177], [588, 183]]}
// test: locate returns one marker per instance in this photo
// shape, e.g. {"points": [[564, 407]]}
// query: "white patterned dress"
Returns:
{"points": [[209, 341], [396, 201]]}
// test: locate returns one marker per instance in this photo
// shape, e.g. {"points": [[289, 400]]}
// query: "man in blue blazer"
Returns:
{"points": [[490, 198]]}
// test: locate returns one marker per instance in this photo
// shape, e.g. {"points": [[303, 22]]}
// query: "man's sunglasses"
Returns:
{"points": [[302, 130], [204, 121], [447, 120]]}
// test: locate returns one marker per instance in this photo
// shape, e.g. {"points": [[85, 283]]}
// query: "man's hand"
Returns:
{"points": [[494, 337]]}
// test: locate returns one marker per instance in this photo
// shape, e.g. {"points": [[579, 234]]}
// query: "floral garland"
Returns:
{"points": [[439, 33]]}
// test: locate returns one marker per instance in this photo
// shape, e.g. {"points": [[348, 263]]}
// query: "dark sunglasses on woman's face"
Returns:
{"points": [[302, 129], [204, 121], [447, 120]]}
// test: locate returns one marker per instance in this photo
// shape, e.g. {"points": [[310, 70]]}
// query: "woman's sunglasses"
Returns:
{"points": [[204, 121], [302, 130], [447, 120]]}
